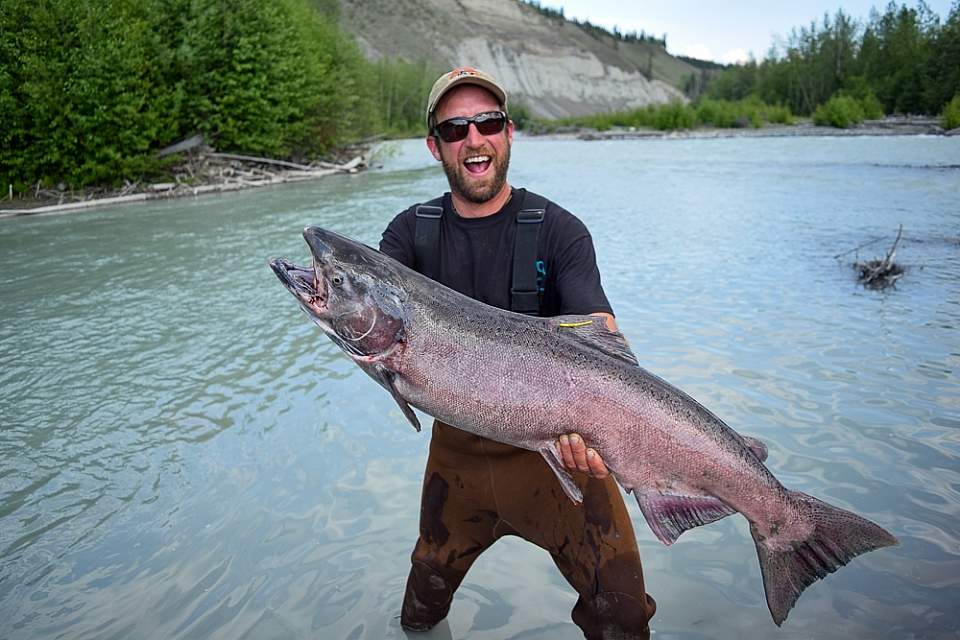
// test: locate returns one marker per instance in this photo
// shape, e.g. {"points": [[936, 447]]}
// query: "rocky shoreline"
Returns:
{"points": [[889, 126]]}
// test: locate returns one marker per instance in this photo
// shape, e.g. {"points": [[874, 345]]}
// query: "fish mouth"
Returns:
{"points": [[308, 284], [304, 283]]}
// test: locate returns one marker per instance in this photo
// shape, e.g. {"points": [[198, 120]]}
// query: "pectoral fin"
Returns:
{"points": [[388, 378], [670, 515], [570, 487]]}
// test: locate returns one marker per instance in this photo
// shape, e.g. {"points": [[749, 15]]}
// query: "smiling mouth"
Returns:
{"points": [[476, 165]]}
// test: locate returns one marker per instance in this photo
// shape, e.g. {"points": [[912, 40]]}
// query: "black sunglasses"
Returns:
{"points": [[455, 129]]}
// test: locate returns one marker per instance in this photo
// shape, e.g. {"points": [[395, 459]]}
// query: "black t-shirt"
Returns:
{"points": [[476, 256]]}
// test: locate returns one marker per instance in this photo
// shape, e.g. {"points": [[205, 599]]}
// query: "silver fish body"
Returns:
{"points": [[524, 381]]}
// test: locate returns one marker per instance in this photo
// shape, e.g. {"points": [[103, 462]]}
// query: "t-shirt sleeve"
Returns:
{"points": [[397, 239], [578, 283]]}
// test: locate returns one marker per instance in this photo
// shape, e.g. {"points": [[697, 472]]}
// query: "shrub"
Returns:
{"points": [[840, 111], [742, 113], [719, 113], [675, 115], [951, 113], [872, 108], [779, 114]]}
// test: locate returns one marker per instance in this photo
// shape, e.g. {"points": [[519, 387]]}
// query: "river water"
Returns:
{"points": [[184, 455]]}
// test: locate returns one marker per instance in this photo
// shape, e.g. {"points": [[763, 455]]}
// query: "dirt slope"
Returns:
{"points": [[554, 66]]}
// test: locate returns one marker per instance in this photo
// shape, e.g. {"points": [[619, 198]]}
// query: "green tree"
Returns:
{"points": [[91, 89], [85, 94], [943, 71], [902, 57], [896, 63]]}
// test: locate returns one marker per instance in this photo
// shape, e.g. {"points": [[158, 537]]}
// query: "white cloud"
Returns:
{"points": [[695, 50], [735, 56]]}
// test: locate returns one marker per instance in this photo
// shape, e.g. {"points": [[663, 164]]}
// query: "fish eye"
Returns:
{"points": [[336, 280]]}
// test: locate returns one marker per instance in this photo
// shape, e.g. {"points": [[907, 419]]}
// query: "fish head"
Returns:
{"points": [[349, 292]]}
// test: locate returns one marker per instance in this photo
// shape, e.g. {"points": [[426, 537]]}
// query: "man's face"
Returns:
{"points": [[472, 180]]}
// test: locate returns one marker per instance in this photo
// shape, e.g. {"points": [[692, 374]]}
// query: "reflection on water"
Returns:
{"points": [[184, 455]]}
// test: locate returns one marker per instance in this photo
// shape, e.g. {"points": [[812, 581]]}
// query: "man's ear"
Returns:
{"points": [[434, 146]]}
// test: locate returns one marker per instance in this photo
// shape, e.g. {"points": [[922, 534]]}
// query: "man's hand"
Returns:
{"points": [[577, 457], [573, 450]]}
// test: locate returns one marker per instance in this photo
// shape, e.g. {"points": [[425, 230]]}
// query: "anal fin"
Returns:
{"points": [[670, 515], [570, 487]]}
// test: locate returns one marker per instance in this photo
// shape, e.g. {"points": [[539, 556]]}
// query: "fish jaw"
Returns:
{"points": [[305, 285]]}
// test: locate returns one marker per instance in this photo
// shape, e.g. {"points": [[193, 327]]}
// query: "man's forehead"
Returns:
{"points": [[466, 98]]}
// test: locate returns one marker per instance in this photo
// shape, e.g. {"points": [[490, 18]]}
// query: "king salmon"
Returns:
{"points": [[524, 381]]}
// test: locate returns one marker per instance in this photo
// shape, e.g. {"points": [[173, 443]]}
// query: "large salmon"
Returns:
{"points": [[524, 381]]}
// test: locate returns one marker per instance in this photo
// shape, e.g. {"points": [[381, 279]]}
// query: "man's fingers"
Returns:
{"points": [[566, 455], [577, 457], [579, 451], [597, 467]]}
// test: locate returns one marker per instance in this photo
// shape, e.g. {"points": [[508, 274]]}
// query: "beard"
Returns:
{"points": [[467, 187]]}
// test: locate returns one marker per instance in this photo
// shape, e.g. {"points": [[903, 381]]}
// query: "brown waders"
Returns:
{"points": [[476, 490]]}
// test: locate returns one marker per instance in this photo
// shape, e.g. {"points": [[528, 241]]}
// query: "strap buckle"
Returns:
{"points": [[530, 216], [429, 211]]}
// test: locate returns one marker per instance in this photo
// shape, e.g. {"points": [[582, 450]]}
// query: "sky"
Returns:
{"points": [[722, 31]]}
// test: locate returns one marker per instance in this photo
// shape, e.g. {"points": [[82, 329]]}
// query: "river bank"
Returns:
{"points": [[196, 174], [888, 126], [211, 172]]}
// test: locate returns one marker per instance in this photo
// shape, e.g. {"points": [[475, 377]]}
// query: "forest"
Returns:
{"points": [[91, 90], [902, 60]]}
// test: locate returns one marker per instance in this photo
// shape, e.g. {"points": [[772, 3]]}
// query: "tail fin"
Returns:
{"points": [[838, 537]]}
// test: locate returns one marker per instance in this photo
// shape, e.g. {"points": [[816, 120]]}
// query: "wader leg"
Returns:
{"points": [[457, 523], [592, 544]]}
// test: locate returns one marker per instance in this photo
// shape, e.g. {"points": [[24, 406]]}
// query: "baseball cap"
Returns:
{"points": [[463, 75]]}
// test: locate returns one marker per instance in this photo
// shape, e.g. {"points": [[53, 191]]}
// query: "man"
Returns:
{"points": [[516, 250]]}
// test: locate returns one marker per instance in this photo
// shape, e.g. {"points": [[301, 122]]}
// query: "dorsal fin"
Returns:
{"points": [[592, 331]]}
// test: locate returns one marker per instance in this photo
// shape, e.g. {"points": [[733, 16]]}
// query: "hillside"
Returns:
{"points": [[554, 66]]}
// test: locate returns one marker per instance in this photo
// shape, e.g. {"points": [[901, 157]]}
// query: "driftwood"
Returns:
{"points": [[184, 145], [279, 163], [881, 273], [198, 174]]}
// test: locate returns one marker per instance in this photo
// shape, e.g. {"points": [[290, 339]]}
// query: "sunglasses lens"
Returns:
{"points": [[456, 129], [493, 124], [453, 130]]}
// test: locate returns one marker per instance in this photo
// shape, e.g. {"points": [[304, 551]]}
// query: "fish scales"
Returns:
{"points": [[524, 381], [512, 371]]}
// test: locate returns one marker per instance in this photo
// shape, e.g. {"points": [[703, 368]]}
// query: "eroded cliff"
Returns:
{"points": [[552, 65]]}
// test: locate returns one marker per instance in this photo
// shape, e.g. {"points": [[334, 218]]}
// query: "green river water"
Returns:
{"points": [[184, 455]]}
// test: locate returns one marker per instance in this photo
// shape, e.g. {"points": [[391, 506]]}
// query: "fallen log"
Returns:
{"points": [[184, 145], [242, 158], [83, 204]]}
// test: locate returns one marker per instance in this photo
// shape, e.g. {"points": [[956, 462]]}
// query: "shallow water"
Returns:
{"points": [[185, 456]]}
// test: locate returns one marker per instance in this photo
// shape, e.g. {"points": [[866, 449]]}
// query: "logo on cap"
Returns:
{"points": [[462, 71]]}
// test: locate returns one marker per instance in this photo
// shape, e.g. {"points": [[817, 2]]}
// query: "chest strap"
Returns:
{"points": [[524, 287], [524, 290], [426, 240]]}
